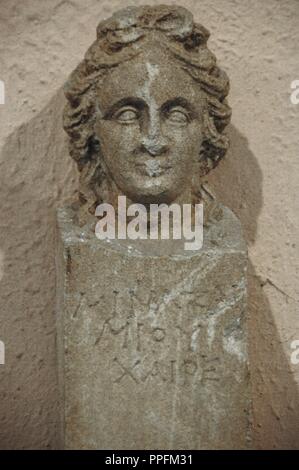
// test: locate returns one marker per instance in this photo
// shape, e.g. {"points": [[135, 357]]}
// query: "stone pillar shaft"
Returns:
{"points": [[153, 348]]}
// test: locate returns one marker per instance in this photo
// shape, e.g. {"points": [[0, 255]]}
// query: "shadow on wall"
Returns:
{"points": [[37, 176], [237, 182]]}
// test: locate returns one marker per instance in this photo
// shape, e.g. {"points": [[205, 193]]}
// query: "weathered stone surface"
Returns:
{"points": [[154, 337], [146, 110], [155, 347]]}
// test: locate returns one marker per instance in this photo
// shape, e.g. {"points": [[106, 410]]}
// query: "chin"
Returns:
{"points": [[156, 193]]}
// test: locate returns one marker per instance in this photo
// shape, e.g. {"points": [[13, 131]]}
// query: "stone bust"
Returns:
{"points": [[146, 110]]}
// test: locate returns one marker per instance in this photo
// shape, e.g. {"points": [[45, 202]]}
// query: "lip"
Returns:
{"points": [[153, 167]]}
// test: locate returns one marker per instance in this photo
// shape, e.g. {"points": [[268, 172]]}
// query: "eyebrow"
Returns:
{"points": [[178, 101], [128, 101]]}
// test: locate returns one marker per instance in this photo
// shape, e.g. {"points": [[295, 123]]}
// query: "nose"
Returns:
{"points": [[153, 141], [154, 146]]}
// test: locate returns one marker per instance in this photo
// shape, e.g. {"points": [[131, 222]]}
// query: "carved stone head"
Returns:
{"points": [[146, 109]]}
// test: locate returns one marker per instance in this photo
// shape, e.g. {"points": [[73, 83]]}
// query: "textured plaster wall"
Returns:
{"points": [[40, 43]]}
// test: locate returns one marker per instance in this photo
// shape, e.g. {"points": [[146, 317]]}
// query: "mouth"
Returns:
{"points": [[153, 168]]}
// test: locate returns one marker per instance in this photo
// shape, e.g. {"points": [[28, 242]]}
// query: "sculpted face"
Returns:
{"points": [[146, 110], [149, 125]]}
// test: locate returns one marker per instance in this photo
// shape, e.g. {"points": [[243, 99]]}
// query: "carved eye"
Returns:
{"points": [[178, 115], [127, 115]]}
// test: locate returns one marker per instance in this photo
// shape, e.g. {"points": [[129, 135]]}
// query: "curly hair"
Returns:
{"points": [[120, 39]]}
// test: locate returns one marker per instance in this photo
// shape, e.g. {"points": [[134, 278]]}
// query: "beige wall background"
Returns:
{"points": [[41, 42]]}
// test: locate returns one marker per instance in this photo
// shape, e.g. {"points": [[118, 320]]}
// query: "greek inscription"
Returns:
{"points": [[114, 331], [126, 371], [158, 334], [134, 333], [189, 336], [139, 327], [189, 370], [210, 370], [155, 371], [185, 371]]}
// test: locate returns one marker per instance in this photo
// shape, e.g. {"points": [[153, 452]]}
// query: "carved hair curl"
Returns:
{"points": [[119, 39]]}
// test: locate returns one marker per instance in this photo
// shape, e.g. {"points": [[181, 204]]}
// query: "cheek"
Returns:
{"points": [[186, 142], [116, 140]]}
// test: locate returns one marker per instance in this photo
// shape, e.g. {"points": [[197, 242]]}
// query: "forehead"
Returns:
{"points": [[148, 79]]}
